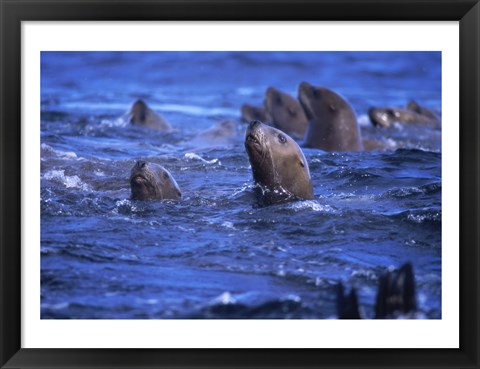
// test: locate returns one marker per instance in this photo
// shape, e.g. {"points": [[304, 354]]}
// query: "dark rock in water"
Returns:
{"points": [[396, 293], [347, 305], [395, 296], [272, 309]]}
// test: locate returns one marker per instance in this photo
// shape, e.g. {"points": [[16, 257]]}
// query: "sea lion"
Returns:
{"points": [[250, 113], [414, 106], [279, 167], [285, 113], [223, 133], [385, 117], [152, 182], [333, 124], [140, 114]]}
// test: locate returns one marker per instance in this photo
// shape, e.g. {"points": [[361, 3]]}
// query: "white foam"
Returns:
{"points": [[68, 181], [59, 153], [245, 91], [311, 204], [193, 156], [228, 225], [199, 111], [364, 121], [224, 299]]}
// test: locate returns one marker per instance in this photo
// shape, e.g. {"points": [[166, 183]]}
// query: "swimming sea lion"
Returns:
{"points": [[152, 182], [221, 134], [279, 167], [141, 114], [285, 113], [385, 117], [414, 106], [250, 113], [333, 124]]}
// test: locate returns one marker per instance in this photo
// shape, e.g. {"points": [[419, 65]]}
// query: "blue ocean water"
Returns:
{"points": [[213, 254]]}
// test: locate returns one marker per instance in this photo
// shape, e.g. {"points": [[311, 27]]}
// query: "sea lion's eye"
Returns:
{"points": [[278, 100], [315, 92], [281, 138], [165, 175]]}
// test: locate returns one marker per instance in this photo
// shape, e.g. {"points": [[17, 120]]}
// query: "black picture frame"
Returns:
{"points": [[467, 12]]}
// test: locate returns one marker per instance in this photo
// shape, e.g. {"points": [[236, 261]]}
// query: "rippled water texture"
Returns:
{"points": [[213, 254]]}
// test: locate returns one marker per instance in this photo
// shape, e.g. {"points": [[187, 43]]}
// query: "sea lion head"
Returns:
{"points": [[138, 112], [278, 165], [384, 117], [318, 102], [285, 112], [333, 124], [227, 127], [152, 182]]}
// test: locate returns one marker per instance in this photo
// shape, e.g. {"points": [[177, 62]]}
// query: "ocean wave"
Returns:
{"points": [[47, 150], [59, 176]]}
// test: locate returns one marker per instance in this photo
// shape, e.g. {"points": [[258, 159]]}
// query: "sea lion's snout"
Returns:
{"points": [[150, 181], [253, 124], [138, 172], [252, 135]]}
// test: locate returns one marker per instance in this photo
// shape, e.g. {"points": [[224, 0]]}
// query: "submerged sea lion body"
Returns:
{"points": [[152, 182], [221, 134], [414, 106], [140, 114], [285, 113], [413, 113], [279, 167], [333, 124], [385, 117]]}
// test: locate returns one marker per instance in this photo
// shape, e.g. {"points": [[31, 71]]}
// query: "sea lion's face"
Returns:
{"points": [[320, 102], [384, 117], [333, 124], [282, 108], [278, 163], [138, 113], [152, 182]]}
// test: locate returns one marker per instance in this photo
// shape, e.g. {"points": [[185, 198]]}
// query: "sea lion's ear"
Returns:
{"points": [[332, 107], [302, 164], [165, 175]]}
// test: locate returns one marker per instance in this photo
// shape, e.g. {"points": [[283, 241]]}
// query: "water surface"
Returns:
{"points": [[213, 254]]}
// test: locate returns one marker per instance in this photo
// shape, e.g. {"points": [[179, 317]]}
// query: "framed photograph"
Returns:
{"points": [[239, 184]]}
